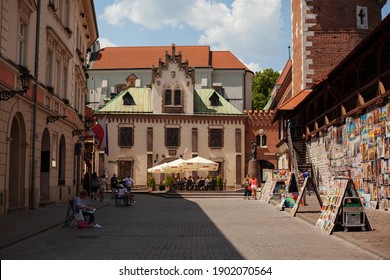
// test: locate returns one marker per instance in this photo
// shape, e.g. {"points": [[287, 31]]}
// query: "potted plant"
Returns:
{"points": [[151, 183], [220, 182], [168, 182]]}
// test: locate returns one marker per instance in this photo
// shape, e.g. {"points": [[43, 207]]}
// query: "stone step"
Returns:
{"points": [[200, 194]]}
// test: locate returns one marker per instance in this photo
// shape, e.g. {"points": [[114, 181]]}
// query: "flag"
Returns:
{"points": [[100, 132]]}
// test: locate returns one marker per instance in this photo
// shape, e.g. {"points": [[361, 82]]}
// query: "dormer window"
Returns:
{"points": [[214, 99], [130, 80], [128, 99]]}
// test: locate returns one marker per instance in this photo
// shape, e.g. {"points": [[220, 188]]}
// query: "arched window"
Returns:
{"points": [[261, 140], [168, 97], [177, 97]]}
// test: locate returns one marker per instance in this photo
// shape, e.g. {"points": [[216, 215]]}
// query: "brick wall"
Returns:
{"points": [[323, 33], [261, 120]]}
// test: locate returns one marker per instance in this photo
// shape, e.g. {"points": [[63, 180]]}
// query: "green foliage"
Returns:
{"points": [[262, 84], [168, 181], [151, 183]]}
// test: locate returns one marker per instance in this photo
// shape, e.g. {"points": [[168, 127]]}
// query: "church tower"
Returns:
{"points": [[324, 32]]}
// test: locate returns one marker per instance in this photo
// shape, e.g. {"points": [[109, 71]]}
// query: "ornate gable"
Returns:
{"points": [[172, 58]]}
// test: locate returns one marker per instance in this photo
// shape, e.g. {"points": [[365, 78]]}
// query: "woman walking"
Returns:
{"points": [[102, 188]]}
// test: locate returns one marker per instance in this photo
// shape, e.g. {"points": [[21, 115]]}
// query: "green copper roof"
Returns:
{"points": [[131, 100], [139, 101], [203, 99]]}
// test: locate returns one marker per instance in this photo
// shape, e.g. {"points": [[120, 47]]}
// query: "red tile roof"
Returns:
{"points": [[225, 60], [294, 101], [146, 57], [284, 73]]}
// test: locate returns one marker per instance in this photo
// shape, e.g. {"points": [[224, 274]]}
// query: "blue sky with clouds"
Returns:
{"points": [[255, 31]]}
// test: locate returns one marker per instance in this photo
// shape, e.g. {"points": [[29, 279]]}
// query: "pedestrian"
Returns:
{"points": [[128, 183], [114, 185], [88, 211], [254, 185], [123, 193], [94, 185], [247, 188], [102, 187]]}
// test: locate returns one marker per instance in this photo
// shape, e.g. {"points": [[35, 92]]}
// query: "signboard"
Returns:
{"points": [[266, 192], [339, 188], [280, 174]]}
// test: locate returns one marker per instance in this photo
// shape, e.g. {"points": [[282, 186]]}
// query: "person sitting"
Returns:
{"points": [[124, 193], [207, 183], [87, 210]]}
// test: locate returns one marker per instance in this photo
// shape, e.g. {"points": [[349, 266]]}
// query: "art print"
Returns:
{"points": [[383, 114], [380, 146], [387, 130], [376, 115]]}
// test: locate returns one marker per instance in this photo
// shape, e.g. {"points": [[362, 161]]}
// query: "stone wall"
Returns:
{"points": [[318, 156]]}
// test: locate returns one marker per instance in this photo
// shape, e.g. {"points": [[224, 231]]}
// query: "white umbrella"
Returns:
{"points": [[200, 164], [175, 166], [157, 169]]}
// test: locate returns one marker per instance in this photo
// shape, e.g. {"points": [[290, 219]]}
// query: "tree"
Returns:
{"points": [[262, 84]]}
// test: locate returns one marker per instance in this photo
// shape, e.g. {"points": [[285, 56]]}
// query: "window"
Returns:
{"points": [[125, 168], [126, 137], [177, 97], [65, 81], [172, 137], [149, 139], [168, 97], [49, 67], [59, 77], [173, 100], [215, 137], [214, 100], [261, 140], [238, 140], [66, 13], [22, 43], [128, 99]]}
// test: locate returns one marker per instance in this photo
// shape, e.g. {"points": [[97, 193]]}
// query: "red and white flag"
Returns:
{"points": [[100, 132]]}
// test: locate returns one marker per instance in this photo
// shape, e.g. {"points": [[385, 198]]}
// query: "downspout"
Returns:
{"points": [[34, 120]]}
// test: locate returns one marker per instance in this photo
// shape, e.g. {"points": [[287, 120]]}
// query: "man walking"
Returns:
{"points": [[114, 185]]}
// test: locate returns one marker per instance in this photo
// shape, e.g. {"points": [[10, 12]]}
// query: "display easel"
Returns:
{"points": [[340, 189], [306, 184], [267, 190]]}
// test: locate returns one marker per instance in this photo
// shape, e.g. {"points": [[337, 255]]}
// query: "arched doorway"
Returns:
{"points": [[16, 163], [264, 165], [45, 167]]}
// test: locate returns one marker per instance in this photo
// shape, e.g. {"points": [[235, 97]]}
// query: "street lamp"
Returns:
{"points": [[25, 78]]}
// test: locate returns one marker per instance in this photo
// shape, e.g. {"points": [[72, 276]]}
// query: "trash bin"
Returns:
{"points": [[353, 213]]}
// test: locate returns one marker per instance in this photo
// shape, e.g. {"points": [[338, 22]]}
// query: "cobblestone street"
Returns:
{"points": [[175, 228]]}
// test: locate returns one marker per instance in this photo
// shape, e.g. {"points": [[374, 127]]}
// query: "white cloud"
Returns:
{"points": [[104, 42], [248, 28], [254, 67], [153, 14]]}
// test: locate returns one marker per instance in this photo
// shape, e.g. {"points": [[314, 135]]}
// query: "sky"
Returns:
{"points": [[258, 32]]}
